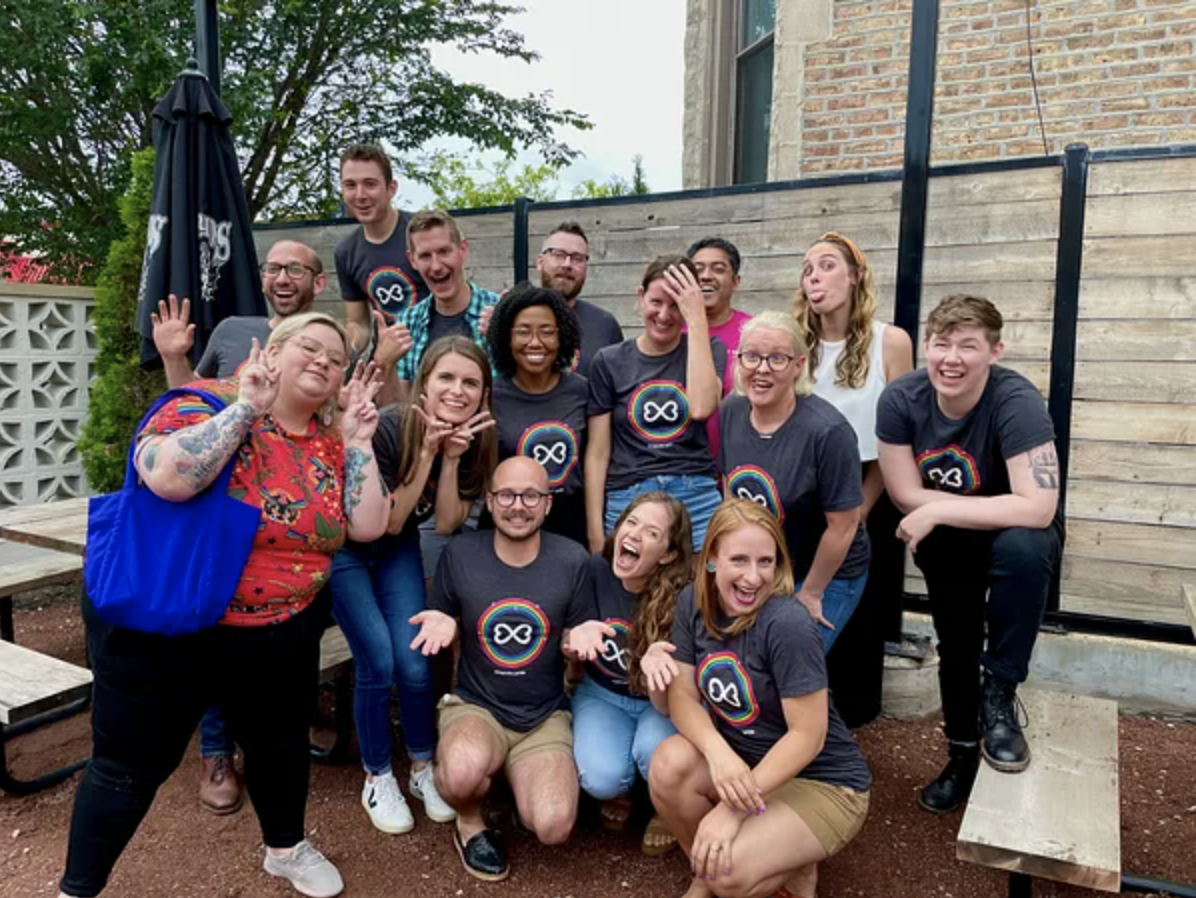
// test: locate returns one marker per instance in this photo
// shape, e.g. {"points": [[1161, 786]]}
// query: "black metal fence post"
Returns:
{"points": [[207, 41], [520, 252]]}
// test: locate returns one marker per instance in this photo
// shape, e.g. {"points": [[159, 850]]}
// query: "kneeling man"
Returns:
{"points": [[525, 602], [968, 454]]}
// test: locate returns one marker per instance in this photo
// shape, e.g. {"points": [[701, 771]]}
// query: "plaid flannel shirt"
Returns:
{"points": [[418, 318]]}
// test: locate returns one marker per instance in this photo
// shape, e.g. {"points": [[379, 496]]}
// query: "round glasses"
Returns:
{"points": [[313, 349], [777, 361], [293, 269], [529, 498]]}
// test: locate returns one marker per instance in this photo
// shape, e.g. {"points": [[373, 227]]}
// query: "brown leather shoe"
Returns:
{"points": [[219, 786]]}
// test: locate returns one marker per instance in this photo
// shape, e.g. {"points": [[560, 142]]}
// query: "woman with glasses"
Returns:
{"points": [[540, 406], [316, 486], [435, 457], [794, 454], [649, 397]]}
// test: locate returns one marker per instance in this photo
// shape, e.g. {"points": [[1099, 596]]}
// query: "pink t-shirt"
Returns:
{"points": [[729, 332]]}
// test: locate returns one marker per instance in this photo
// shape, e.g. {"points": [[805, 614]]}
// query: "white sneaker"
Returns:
{"points": [[308, 871], [386, 806], [423, 786]]}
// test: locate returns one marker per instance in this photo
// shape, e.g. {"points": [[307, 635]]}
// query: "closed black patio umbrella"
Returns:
{"points": [[199, 243]]}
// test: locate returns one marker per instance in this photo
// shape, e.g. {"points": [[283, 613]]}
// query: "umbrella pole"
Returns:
{"points": [[207, 41]]}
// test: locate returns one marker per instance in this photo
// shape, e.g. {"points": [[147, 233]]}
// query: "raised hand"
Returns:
{"points": [[484, 319], [363, 373], [435, 430], [436, 631], [462, 436], [173, 336], [585, 641], [360, 419], [686, 292], [258, 385], [392, 342], [658, 667]]}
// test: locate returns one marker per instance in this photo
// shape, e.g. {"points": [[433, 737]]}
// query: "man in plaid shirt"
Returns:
{"points": [[438, 252]]}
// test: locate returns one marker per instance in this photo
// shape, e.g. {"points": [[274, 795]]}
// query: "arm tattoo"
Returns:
{"points": [[204, 449], [1044, 465], [355, 477]]}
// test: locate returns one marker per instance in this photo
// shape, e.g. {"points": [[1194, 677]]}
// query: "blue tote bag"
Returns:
{"points": [[166, 567]]}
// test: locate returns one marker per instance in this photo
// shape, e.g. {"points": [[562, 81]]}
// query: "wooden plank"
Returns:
{"points": [[49, 569], [1059, 819], [1140, 215], [1150, 422], [1128, 608], [1136, 341], [1141, 297], [1133, 463], [61, 526], [1134, 543], [1142, 176], [1189, 595], [32, 683], [1140, 257], [1124, 381], [1132, 503], [334, 653], [1116, 588]]}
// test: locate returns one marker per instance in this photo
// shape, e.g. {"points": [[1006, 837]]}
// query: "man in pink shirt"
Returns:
{"points": [[717, 261]]}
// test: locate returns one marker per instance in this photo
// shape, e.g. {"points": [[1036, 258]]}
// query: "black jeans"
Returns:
{"points": [[149, 695], [1014, 569]]}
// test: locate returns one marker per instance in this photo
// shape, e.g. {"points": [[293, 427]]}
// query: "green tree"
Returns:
{"points": [[615, 185], [459, 185], [302, 78], [122, 391]]}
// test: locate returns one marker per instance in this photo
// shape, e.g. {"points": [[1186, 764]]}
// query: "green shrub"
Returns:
{"points": [[122, 391]]}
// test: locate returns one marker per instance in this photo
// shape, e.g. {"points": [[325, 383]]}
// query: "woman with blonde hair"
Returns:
{"points": [[763, 781], [793, 454]]}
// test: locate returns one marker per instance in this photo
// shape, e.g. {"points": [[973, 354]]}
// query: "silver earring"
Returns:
{"points": [[710, 567]]}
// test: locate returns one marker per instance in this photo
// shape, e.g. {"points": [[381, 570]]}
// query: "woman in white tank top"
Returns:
{"points": [[852, 355]]}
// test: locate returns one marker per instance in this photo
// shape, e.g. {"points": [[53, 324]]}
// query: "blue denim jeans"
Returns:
{"points": [[699, 495], [613, 737], [375, 590], [839, 602], [214, 737]]}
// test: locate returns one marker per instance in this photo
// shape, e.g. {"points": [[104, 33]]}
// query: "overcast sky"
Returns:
{"points": [[619, 61]]}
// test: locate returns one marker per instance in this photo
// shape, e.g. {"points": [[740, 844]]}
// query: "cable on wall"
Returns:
{"points": [[1034, 82]]}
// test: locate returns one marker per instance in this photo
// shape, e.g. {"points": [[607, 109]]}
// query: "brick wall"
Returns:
{"points": [[1111, 73]]}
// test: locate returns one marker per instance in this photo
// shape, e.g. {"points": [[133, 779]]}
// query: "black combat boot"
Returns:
{"points": [[1001, 739], [954, 784]]}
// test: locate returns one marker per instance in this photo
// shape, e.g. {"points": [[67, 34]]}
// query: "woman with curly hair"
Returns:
{"points": [[620, 710], [540, 405]]}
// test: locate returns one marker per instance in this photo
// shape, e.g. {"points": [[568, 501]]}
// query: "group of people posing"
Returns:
{"points": [[641, 550]]}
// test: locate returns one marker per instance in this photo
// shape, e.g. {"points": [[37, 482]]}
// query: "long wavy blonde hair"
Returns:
{"points": [[851, 370]]}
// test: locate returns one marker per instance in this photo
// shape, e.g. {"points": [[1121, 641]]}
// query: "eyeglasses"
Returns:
{"points": [[778, 361], [546, 334], [529, 498], [561, 255], [293, 269], [313, 349]]}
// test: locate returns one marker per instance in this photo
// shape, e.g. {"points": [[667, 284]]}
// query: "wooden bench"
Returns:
{"points": [[35, 690], [25, 568], [1060, 818], [336, 667]]}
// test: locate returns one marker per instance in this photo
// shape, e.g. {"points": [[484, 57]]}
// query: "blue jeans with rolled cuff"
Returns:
{"points": [[699, 495], [839, 602]]}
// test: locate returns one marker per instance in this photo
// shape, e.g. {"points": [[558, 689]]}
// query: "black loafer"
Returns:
{"points": [[482, 856]]}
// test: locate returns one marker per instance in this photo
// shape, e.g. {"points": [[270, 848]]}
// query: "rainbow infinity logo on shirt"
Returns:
{"points": [[614, 659], [727, 688], [950, 469], [754, 484], [659, 411], [391, 290], [554, 445], [512, 632]]}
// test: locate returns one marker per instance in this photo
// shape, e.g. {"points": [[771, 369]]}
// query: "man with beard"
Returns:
{"points": [[292, 278], [525, 601], [562, 265]]}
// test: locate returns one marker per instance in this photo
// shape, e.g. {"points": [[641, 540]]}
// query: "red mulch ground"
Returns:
{"points": [[182, 852]]}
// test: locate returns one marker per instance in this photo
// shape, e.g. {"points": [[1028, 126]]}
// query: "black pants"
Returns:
{"points": [[1014, 568], [148, 697]]}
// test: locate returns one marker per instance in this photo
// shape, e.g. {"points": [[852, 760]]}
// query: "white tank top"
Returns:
{"points": [[857, 406]]}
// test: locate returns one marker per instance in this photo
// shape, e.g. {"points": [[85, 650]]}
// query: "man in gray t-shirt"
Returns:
{"points": [[292, 278], [525, 602]]}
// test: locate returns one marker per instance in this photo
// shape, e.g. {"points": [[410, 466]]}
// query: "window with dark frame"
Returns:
{"points": [[753, 89]]}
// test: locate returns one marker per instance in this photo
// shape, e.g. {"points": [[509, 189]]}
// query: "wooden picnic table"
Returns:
{"points": [[61, 526]]}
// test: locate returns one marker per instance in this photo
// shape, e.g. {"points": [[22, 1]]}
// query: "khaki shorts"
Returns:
{"points": [[834, 814], [555, 733]]}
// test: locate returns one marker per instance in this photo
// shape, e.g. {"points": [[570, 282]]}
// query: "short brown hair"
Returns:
{"points": [[658, 266], [426, 219], [368, 152], [569, 227], [963, 310]]}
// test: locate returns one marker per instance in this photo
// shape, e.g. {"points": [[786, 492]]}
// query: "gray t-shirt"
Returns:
{"points": [[447, 325], [616, 608], [966, 456], [652, 433], [807, 467], [230, 345], [743, 679], [598, 328], [549, 427], [379, 272], [512, 620]]}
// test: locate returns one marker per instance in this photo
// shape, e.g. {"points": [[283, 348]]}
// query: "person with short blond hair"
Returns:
{"points": [[968, 455]]}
